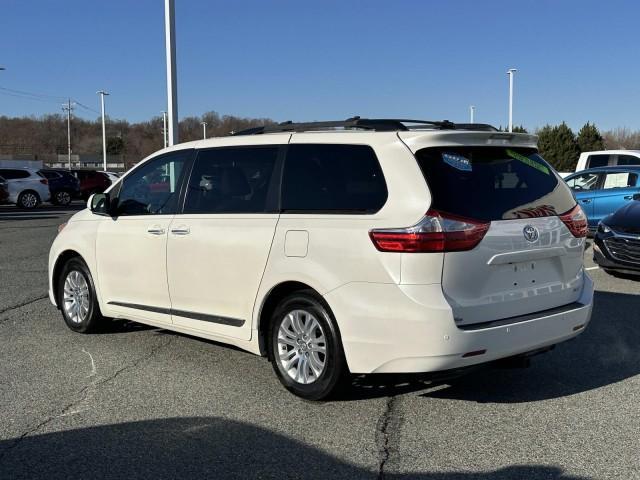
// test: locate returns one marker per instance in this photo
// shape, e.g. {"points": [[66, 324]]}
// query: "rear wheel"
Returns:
{"points": [[28, 200], [305, 347], [77, 297]]}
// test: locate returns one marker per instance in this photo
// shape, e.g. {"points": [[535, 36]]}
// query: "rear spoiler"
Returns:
{"points": [[417, 140]]}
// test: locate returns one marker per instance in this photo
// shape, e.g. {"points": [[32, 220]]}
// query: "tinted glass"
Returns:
{"points": [[231, 180], [49, 174], [153, 188], [628, 160], [332, 179], [493, 183], [620, 180], [586, 181], [13, 174], [597, 161]]}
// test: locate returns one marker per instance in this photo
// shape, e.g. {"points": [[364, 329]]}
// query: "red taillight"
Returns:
{"points": [[436, 232], [44, 181], [576, 222]]}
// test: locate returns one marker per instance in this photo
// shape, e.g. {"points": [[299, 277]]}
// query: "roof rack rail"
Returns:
{"points": [[373, 124]]}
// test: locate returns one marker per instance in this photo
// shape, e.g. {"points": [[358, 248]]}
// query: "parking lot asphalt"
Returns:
{"points": [[140, 402]]}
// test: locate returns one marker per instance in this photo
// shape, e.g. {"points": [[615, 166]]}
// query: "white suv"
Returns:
{"points": [[27, 188], [362, 246]]}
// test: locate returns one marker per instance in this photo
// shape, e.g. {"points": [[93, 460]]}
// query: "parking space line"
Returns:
{"points": [[592, 268]]}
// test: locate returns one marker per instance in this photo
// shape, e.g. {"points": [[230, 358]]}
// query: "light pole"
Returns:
{"points": [[172, 86], [511, 73], [164, 127], [68, 107], [102, 93], [472, 111], [204, 130]]}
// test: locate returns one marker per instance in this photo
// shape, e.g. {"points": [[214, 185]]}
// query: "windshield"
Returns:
{"points": [[493, 183]]}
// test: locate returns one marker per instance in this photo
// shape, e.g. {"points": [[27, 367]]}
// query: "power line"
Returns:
{"points": [[33, 94], [41, 97]]}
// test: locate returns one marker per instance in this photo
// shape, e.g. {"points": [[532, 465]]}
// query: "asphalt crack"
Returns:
{"points": [[23, 304], [384, 432], [84, 394]]}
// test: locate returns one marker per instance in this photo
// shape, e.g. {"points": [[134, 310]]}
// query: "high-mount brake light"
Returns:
{"points": [[436, 232], [576, 221]]}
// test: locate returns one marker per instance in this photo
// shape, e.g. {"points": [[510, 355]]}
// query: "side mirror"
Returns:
{"points": [[99, 204], [636, 196]]}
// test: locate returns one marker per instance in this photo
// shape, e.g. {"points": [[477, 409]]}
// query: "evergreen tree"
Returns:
{"points": [[559, 147], [519, 129], [589, 138]]}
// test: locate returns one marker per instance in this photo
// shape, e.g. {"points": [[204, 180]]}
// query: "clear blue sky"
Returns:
{"points": [[576, 60]]}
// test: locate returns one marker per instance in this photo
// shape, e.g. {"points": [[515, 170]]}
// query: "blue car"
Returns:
{"points": [[603, 190]]}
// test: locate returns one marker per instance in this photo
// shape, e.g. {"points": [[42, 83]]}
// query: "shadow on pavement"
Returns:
{"points": [[197, 447]]}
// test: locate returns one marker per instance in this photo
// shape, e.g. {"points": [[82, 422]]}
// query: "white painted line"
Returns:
{"points": [[592, 268]]}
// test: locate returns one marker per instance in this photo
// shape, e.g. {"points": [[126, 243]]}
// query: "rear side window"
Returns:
{"points": [[620, 180], [598, 161], [232, 180], [493, 183], [628, 160], [49, 174], [14, 174], [332, 179]]}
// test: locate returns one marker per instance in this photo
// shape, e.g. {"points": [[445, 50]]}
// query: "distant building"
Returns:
{"points": [[115, 163]]}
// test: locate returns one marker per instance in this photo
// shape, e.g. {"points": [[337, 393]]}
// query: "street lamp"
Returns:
{"points": [[102, 93], [472, 111], [204, 130], [511, 73], [170, 47]]}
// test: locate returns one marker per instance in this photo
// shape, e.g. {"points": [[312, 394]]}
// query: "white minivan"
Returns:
{"points": [[358, 246]]}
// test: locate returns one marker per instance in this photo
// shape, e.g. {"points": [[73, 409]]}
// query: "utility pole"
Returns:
{"points": [[102, 93], [511, 72], [204, 130], [164, 127], [472, 111], [68, 107], [172, 85]]}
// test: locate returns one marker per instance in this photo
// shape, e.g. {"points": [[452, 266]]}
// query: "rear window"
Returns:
{"points": [[14, 174], [493, 183], [332, 179]]}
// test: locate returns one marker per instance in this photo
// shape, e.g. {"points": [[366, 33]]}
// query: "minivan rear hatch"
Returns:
{"points": [[530, 258]]}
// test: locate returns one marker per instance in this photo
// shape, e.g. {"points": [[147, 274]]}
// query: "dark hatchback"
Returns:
{"points": [[617, 240], [63, 186], [4, 190]]}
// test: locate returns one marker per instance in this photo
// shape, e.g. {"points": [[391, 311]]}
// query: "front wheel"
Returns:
{"points": [[77, 297], [28, 200], [305, 347]]}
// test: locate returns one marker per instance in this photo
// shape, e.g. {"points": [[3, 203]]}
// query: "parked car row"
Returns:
{"points": [[27, 188], [609, 194]]}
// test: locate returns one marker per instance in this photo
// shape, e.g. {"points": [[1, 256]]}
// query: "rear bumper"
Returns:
{"points": [[410, 328]]}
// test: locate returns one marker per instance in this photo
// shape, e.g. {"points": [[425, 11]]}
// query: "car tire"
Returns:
{"points": [[28, 200], [62, 198], [77, 297], [305, 346]]}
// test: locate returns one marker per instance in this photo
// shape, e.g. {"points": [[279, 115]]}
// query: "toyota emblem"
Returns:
{"points": [[530, 233]]}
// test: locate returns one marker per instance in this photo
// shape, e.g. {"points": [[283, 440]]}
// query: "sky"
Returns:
{"points": [[300, 60]]}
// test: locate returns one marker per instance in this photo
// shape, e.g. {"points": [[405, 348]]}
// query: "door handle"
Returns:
{"points": [[155, 230], [181, 230], [586, 200]]}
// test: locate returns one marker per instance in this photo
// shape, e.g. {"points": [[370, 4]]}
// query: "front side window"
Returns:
{"points": [[332, 179], [232, 180], [620, 180], [586, 181], [598, 161], [153, 188]]}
